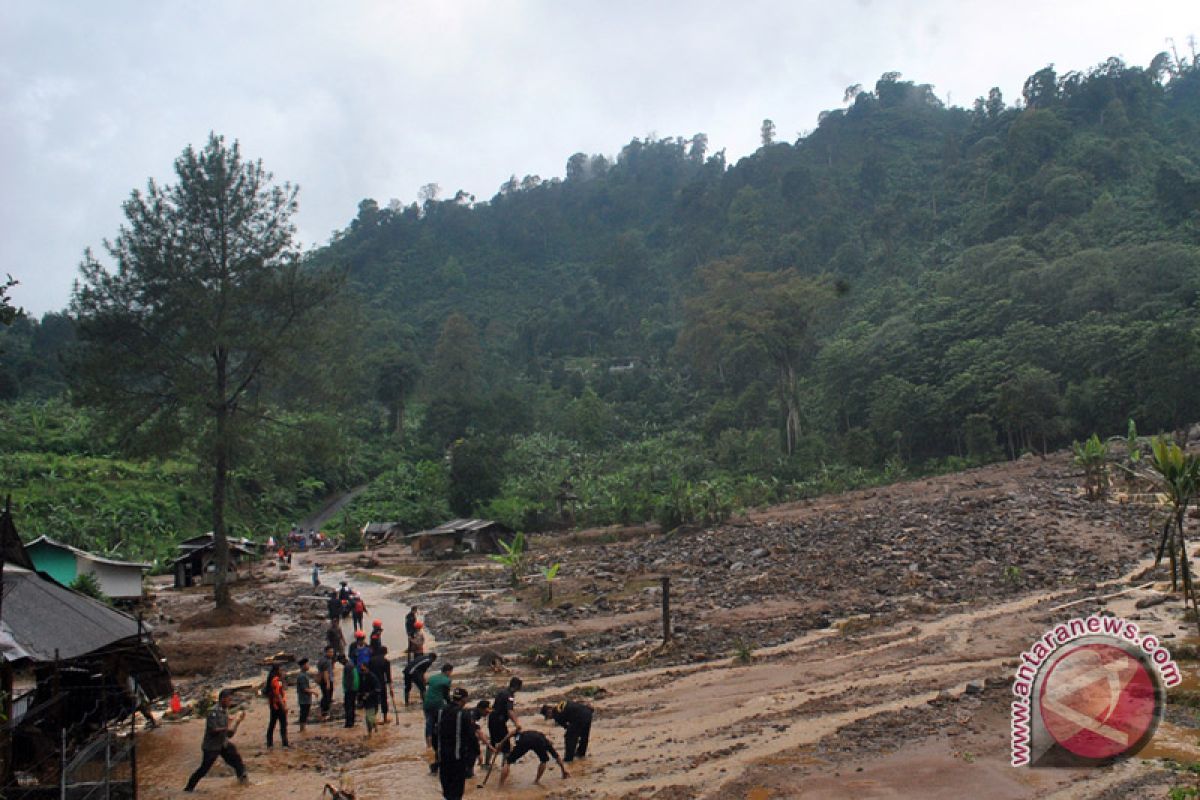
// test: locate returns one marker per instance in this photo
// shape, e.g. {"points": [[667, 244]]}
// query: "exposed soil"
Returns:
{"points": [[821, 649], [233, 615]]}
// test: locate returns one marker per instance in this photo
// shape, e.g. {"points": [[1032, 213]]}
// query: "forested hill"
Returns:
{"points": [[907, 287], [925, 280]]}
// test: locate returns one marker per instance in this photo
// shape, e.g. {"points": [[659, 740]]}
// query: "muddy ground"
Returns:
{"points": [[853, 646]]}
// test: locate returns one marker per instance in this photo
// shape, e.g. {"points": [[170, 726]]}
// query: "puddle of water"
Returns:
{"points": [[1189, 671], [1174, 742]]}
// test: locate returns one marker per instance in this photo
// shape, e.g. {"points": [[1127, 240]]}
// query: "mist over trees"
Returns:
{"points": [[907, 287]]}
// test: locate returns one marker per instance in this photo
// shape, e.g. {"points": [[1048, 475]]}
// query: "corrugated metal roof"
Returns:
{"points": [[234, 547], [457, 526], [41, 617], [89, 556]]}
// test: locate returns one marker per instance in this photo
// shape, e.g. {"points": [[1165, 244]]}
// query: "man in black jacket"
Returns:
{"points": [[414, 675], [457, 730], [502, 714], [577, 719], [381, 668]]}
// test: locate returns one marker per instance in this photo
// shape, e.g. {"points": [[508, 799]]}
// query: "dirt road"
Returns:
{"points": [[909, 699]]}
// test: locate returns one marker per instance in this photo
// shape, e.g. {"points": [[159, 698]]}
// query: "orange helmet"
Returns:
{"points": [[359, 634], [418, 624], [377, 624]]}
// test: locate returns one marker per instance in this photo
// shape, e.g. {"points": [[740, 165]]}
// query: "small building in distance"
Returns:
{"points": [[377, 534], [120, 580], [198, 562], [205, 539], [460, 535]]}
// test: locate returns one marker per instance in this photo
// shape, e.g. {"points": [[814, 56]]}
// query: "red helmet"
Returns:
{"points": [[359, 634], [418, 624], [377, 623]]}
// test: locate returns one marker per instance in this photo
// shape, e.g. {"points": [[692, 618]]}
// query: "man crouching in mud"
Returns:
{"points": [[532, 741]]}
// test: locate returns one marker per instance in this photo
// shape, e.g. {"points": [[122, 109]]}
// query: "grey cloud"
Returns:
{"points": [[352, 100]]}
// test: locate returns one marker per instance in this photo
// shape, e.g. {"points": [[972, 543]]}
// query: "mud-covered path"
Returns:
{"points": [[869, 706]]}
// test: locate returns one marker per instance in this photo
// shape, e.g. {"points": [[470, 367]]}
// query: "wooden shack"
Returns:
{"points": [[460, 536], [199, 563]]}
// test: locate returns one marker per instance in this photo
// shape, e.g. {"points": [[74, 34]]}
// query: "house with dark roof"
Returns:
{"points": [[69, 666], [460, 535], [198, 563], [206, 539]]}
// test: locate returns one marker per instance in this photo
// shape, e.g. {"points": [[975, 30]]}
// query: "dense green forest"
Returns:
{"points": [[909, 287]]}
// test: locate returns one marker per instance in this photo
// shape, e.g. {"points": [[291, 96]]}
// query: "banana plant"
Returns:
{"points": [[1176, 475], [513, 557], [1092, 455], [550, 573]]}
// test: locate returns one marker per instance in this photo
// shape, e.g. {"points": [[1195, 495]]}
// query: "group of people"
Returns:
{"points": [[453, 731]]}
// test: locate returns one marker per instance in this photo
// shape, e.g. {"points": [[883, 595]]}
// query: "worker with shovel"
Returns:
{"points": [[502, 714], [381, 669]]}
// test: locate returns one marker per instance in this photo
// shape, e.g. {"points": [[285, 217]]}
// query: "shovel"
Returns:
{"points": [[495, 754]]}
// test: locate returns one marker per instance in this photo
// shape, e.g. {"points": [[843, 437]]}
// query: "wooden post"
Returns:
{"points": [[666, 608]]}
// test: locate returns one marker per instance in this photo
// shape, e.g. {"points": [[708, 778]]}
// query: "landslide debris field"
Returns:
{"points": [[859, 645]]}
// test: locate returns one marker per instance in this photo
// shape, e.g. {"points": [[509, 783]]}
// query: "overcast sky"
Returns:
{"points": [[369, 98]]}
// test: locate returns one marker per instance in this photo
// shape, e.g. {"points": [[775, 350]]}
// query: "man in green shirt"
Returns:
{"points": [[437, 697], [216, 742]]}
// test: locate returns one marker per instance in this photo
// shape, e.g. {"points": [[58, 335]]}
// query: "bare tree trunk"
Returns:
{"points": [[1189, 586], [787, 391], [221, 593], [1173, 547]]}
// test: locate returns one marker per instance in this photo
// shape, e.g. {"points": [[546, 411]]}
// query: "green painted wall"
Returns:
{"points": [[55, 562]]}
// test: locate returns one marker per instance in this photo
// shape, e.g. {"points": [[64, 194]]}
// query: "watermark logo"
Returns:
{"points": [[1090, 690]]}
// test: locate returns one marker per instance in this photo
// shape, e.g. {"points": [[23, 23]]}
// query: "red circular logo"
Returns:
{"points": [[1098, 700]]}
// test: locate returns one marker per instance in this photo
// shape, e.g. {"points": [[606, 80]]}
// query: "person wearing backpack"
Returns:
{"points": [[355, 646], [357, 609]]}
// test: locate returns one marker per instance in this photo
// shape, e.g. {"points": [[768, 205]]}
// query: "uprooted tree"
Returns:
{"points": [[208, 310]]}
